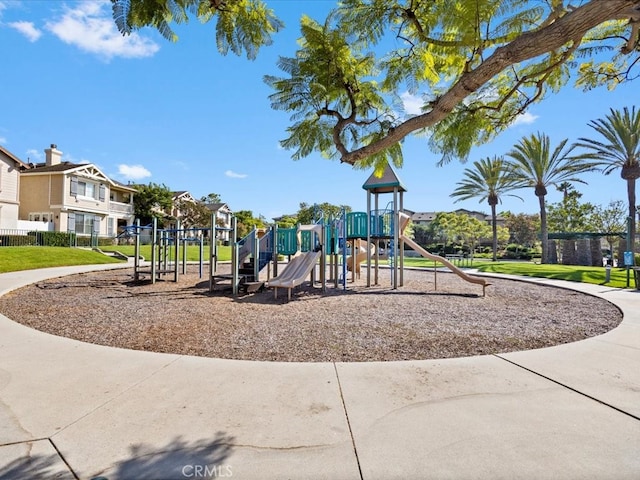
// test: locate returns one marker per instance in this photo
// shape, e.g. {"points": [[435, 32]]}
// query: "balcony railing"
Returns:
{"points": [[117, 207]]}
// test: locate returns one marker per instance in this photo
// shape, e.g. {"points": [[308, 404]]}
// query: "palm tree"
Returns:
{"points": [[619, 149], [565, 188], [489, 179], [537, 166]]}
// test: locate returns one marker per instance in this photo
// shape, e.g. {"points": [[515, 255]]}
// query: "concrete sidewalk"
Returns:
{"points": [[75, 410]]}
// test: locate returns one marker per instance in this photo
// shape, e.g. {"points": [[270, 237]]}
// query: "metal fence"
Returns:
{"points": [[33, 238]]}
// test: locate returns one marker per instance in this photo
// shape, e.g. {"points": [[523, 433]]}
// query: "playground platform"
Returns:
{"points": [[72, 410]]}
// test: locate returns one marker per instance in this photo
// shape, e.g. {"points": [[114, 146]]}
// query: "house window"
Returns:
{"points": [[86, 224], [83, 188], [87, 189]]}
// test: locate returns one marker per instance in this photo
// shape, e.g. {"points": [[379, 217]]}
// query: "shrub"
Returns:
{"points": [[54, 239]]}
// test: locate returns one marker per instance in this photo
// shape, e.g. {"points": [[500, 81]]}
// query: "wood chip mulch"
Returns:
{"points": [[357, 325]]}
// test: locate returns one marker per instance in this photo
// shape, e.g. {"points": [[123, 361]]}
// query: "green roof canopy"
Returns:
{"points": [[387, 183]]}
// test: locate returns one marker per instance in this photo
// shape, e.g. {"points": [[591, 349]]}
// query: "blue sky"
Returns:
{"points": [[146, 110]]}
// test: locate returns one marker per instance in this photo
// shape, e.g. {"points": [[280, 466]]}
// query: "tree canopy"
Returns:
{"points": [[476, 65], [152, 201], [241, 25]]}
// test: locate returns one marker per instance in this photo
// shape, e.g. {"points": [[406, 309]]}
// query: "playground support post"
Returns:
{"points": [[136, 258], [184, 255], [397, 228], [274, 240], [376, 267], [154, 242], [369, 237], [256, 254], [176, 250], [323, 258], [235, 268]]}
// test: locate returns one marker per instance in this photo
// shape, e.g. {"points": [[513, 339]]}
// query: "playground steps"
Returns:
{"points": [[246, 270]]}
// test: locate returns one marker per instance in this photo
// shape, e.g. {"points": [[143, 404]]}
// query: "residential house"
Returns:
{"points": [[223, 219], [75, 197], [178, 200], [10, 168]]}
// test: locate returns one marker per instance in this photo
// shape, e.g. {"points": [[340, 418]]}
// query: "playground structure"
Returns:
{"points": [[361, 254], [165, 262], [307, 247]]}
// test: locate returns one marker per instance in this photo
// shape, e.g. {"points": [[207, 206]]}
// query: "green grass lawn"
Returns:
{"points": [[193, 252], [595, 275], [27, 258]]}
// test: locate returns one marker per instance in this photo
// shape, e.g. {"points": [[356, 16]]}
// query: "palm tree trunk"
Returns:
{"points": [[631, 195], [544, 233], [494, 229]]}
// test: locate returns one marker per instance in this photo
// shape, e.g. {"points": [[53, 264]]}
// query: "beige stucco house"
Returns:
{"points": [[75, 197], [10, 168]]}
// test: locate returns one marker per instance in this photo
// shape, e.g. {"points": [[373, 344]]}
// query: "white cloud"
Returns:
{"points": [[412, 103], [133, 172], [3, 140], [89, 27], [35, 155], [232, 174], [27, 29], [525, 118]]}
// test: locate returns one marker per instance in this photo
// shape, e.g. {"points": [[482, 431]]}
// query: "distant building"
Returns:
{"points": [[425, 218], [176, 199], [75, 197], [10, 168], [223, 219]]}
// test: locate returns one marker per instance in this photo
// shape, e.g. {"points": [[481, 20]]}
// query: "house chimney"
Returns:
{"points": [[52, 155]]}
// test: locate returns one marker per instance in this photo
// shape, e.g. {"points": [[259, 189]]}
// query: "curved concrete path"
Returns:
{"points": [[74, 410]]}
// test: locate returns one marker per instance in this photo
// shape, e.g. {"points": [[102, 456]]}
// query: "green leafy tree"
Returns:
{"points": [[308, 214], [490, 179], [570, 215], [503, 235], [211, 198], [523, 227], [619, 148], [193, 214], [477, 65], [461, 229], [246, 221], [538, 166], [424, 235], [152, 201], [612, 220], [288, 221], [443, 227], [472, 230], [241, 25]]}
